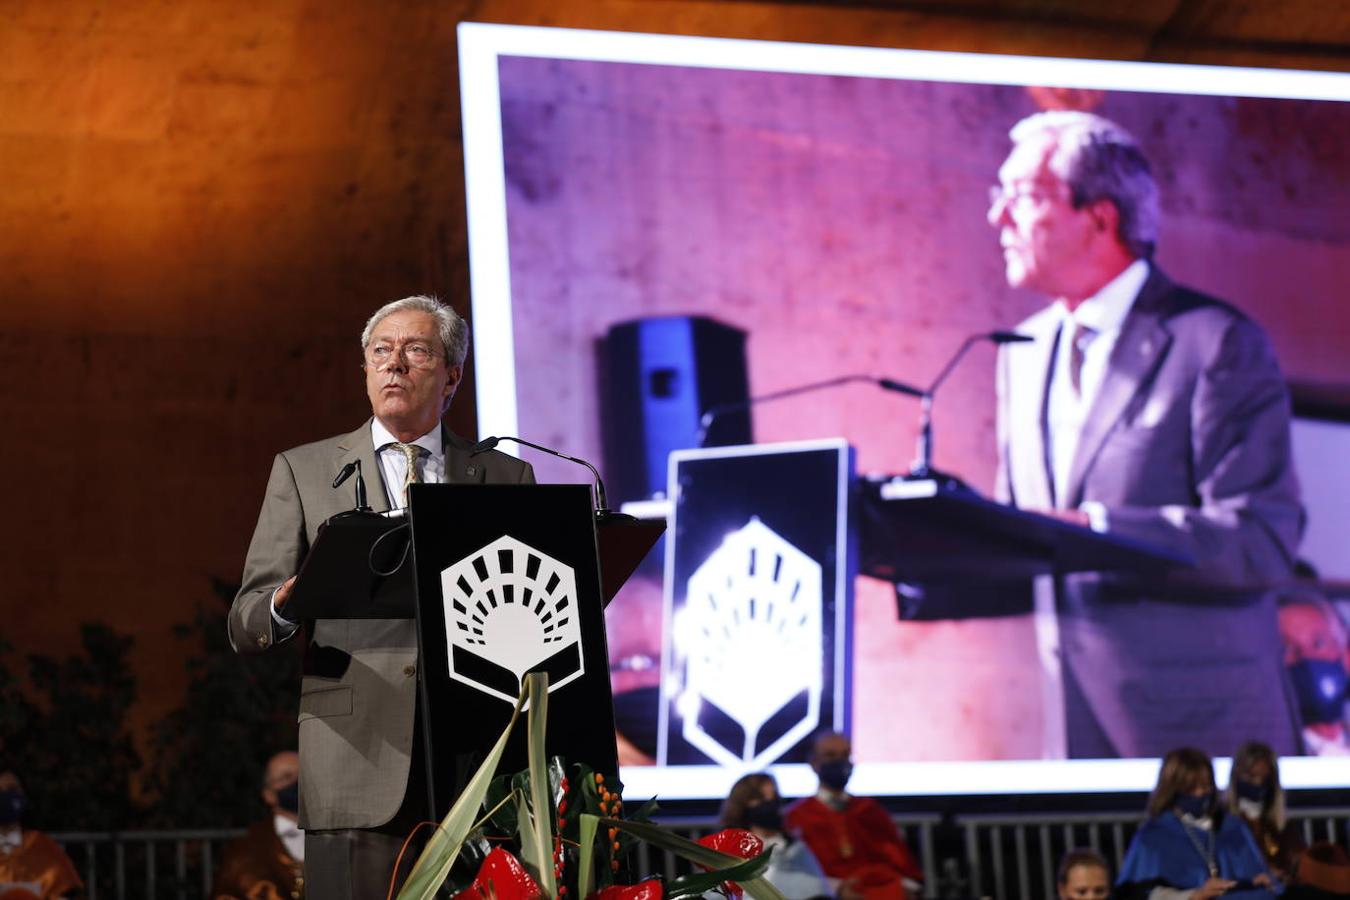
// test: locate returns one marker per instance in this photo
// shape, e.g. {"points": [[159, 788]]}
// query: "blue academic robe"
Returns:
{"points": [[1161, 850]]}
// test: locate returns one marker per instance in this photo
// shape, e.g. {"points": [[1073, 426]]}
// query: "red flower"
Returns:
{"points": [[501, 877], [734, 842], [650, 889]]}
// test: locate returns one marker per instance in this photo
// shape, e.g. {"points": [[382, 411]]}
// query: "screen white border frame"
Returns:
{"points": [[480, 47]]}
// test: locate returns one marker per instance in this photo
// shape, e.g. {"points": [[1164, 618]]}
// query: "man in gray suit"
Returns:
{"points": [[1143, 409], [361, 787]]}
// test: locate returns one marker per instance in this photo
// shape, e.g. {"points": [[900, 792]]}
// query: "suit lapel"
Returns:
{"points": [[358, 446], [460, 467], [1138, 352]]}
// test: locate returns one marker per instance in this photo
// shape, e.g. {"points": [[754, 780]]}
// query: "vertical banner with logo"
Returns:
{"points": [[508, 582], [758, 603]]}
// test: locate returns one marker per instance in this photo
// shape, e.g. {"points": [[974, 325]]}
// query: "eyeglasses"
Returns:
{"points": [[1025, 190], [418, 354]]}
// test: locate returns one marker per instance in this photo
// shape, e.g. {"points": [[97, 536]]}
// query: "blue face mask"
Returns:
{"points": [[12, 806], [1196, 807], [1250, 790], [835, 773], [1320, 686]]}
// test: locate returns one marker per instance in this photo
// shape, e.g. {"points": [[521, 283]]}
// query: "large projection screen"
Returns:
{"points": [[831, 203]]}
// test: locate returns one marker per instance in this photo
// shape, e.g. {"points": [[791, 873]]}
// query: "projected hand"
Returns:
{"points": [[1214, 887]]}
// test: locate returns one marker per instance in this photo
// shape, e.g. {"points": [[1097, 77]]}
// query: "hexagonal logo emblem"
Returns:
{"points": [[511, 609], [750, 633]]}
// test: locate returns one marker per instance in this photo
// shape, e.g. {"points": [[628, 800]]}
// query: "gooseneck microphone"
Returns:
{"points": [[346, 472], [710, 415], [602, 510], [922, 466]]}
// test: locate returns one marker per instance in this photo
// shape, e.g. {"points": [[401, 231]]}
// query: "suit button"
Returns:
{"points": [[410, 671], [263, 640]]}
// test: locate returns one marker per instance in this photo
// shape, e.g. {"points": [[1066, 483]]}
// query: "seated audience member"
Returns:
{"points": [[31, 864], [1322, 872], [853, 837], [267, 863], [1317, 656], [1083, 875], [1255, 796], [1187, 849], [754, 804]]}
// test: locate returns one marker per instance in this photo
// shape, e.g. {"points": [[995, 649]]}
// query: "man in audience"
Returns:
{"points": [[1083, 875], [1147, 410], [268, 862], [855, 839], [29, 860], [1317, 656]]}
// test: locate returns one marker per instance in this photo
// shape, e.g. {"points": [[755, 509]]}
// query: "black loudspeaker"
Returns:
{"points": [[659, 376]]}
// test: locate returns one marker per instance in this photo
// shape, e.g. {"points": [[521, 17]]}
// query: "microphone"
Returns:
{"points": [[710, 415], [922, 467], [346, 472], [602, 510]]}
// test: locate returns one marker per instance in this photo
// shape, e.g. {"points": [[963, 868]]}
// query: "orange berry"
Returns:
{"points": [[599, 779], [616, 845]]}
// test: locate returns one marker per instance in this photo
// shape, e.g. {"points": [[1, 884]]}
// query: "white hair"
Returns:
{"points": [[1098, 160], [453, 330]]}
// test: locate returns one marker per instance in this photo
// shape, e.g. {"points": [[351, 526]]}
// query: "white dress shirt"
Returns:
{"points": [[292, 836], [1104, 313]]}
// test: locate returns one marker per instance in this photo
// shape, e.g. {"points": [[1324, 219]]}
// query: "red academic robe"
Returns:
{"points": [[39, 860], [858, 844]]}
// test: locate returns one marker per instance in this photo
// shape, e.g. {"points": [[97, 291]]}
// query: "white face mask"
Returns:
{"points": [[1250, 809]]}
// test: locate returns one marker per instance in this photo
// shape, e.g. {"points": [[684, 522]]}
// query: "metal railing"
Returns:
{"points": [[157, 865], [1011, 856]]}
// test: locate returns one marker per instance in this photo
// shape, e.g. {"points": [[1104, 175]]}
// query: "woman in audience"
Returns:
{"points": [[1188, 849], [754, 804], [1254, 795]]}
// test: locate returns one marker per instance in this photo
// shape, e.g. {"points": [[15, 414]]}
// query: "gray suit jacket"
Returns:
{"points": [[1187, 445], [358, 693]]}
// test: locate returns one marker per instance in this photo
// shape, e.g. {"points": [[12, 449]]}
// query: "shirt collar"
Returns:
{"points": [[1105, 310], [285, 826], [433, 441]]}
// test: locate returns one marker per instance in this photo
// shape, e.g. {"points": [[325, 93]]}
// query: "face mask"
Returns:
{"points": [[12, 806], [835, 773], [1195, 807], [288, 798], [768, 816], [1251, 791], [1320, 687]]}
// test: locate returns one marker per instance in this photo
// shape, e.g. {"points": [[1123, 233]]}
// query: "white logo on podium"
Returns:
{"points": [[751, 632], [510, 609]]}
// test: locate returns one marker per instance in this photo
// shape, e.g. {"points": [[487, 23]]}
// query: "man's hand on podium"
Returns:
{"points": [[1077, 517]]}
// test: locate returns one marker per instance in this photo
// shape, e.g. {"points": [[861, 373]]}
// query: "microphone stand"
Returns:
{"points": [[922, 467], [710, 415], [602, 510]]}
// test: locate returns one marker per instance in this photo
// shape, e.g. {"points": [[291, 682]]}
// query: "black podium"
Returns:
{"points": [[502, 580]]}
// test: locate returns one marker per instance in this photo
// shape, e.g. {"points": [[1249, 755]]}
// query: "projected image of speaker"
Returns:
{"points": [[660, 376]]}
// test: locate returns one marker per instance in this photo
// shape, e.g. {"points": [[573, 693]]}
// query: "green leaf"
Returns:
{"points": [[585, 857], [539, 842], [757, 888], [699, 883], [434, 864]]}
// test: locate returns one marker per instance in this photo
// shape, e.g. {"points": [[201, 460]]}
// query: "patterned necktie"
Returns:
{"points": [[410, 452], [1082, 336]]}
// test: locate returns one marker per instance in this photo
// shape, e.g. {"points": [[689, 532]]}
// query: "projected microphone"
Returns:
{"points": [[923, 463], [602, 510], [710, 415], [346, 472]]}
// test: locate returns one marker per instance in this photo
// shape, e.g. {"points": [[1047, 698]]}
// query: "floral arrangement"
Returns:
{"points": [[545, 834]]}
